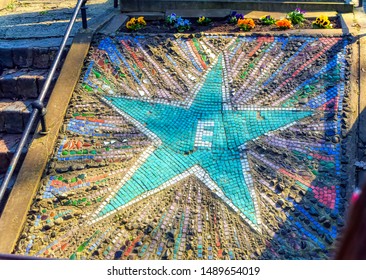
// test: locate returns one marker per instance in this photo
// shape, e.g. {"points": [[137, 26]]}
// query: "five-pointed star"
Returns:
{"points": [[204, 139]]}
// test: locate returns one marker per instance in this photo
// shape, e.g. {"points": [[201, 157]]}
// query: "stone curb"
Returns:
{"points": [[162, 5]]}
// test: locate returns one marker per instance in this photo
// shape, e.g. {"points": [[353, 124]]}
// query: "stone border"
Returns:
{"points": [[15, 213], [162, 5], [360, 111], [16, 209], [357, 101]]}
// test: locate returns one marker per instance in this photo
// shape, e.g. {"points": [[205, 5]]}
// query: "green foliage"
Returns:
{"points": [[11, 6], [296, 16], [204, 20], [267, 20]]}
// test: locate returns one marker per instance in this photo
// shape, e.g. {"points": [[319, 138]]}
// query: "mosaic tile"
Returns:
{"points": [[209, 147]]}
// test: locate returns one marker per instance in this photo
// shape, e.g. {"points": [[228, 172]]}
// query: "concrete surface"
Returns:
{"points": [[43, 24]]}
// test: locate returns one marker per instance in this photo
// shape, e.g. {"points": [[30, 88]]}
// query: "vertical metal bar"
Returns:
{"points": [[115, 3], [44, 130], [83, 15], [42, 111]]}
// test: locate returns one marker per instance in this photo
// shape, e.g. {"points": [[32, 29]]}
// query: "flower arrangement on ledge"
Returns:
{"points": [[204, 20], [178, 22], [136, 23], [234, 17], [267, 20], [322, 21], [171, 19], [293, 19], [246, 24], [297, 16], [182, 24], [283, 24]]}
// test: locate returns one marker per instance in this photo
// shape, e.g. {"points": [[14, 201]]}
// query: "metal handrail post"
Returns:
{"points": [[36, 111], [83, 15], [115, 4]]}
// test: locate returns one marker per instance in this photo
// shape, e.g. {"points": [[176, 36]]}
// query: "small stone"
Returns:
{"points": [[58, 221], [329, 132], [129, 227], [327, 224], [170, 243], [62, 169], [333, 215], [313, 211], [169, 235], [335, 139], [118, 255], [67, 217], [280, 202], [148, 229], [48, 226], [328, 239]]}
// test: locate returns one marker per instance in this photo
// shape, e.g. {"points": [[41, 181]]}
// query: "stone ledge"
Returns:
{"points": [[163, 5]]}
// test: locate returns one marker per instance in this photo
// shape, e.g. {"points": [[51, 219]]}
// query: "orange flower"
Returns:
{"points": [[246, 24], [283, 24]]}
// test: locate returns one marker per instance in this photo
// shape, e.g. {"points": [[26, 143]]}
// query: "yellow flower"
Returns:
{"points": [[322, 21], [201, 19], [129, 25], [141, 21], [326, 22]]}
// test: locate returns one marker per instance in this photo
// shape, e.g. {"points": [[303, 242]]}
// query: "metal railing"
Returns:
{"points": [[39, 110]]}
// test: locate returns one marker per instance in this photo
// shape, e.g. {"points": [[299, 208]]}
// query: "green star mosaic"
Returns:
{"points": [[177, 127]]}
